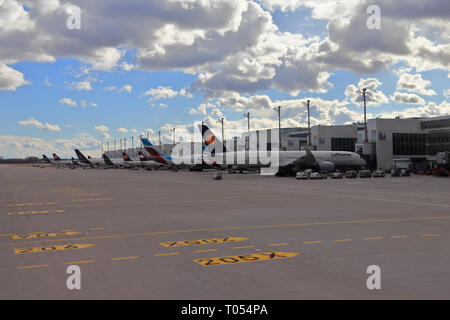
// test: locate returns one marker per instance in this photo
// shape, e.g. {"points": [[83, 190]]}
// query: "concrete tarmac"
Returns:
{"points": [[183, 235]]}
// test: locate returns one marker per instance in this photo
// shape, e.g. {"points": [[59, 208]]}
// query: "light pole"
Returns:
{"points": [[159, 138], [309, 124], [223, 135], [279, 127], [247, 115], [366, 138]]}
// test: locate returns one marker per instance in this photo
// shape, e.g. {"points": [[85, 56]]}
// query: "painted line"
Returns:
{"points": [[34, 212], [200, 242], [373, 238], [208, 250], [313, 242], [243, 247], [430, 235], [246, 258], [166, 254], [93, 229], [99, 199], [52, 249], [31, 267], [400, 236], [277, 244], [343, 240], [148, 234], [40, 235], [79, 262], [31, 204], [124, 258]]}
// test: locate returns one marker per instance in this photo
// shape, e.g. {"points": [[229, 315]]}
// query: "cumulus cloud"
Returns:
{"points": [[415, 83], [430, 110], [374, 97], [39, 125], [19, 146], [122, 130], [164, 93], [10, 79], [407, 98], [68, 101], [126, 88], [101, 128], [82, 85]]}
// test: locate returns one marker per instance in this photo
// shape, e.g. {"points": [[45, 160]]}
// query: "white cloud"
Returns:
{"points": [[39, 125], [101, 128], [18, 146], [161, 93], [10, 79], [407, 98], [415, 83], [374, 97], [446, 93], [82, 85], [430, 110], [126, 88], [122, 130], [68, 101]]}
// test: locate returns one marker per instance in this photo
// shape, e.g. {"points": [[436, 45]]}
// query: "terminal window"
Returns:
{"points": [[409, 144], [343, 144]]}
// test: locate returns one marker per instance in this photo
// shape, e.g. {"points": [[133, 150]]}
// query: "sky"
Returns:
{"points": [[77, 73]]}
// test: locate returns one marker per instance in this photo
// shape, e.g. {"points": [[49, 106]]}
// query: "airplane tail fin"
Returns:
{"points": [[152, 151], [46, 159], [108, 161], [89, 157], [125, 157], [55, 156], [212, 142], [81, 157], [142, 156]]}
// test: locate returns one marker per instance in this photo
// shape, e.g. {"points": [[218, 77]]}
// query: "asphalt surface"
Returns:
{"points": [[296, 239]]}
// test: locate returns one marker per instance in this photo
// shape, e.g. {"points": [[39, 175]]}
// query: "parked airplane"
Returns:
{"points": [[191, 161], [143, 163], [89, 161], [57, 161], [289, 162]]}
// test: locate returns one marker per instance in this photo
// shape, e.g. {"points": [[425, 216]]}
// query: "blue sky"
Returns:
{"points": [[62, 88]]}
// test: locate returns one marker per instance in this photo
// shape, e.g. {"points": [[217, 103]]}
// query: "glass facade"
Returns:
{"points": [[435, 124], [438, 141], [409, 144], [343, 144]]}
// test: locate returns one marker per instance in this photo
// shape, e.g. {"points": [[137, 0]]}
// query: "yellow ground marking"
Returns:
{"points": [[148, 234], [93, 199], [312, 242], [208, 250], [400, 236], [54, 248], [30, 267], [373, 238], [79, 262], [200, 242], [124, 258], [31, 204], [20, 213], [45, 235], [166, 254], [278, 244], [244, 247], [343, 240], [430, 235], [67, 230], [246, 258]]}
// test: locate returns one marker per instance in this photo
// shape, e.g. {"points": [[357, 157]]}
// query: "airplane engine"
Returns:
{"points": [[327, 166]]}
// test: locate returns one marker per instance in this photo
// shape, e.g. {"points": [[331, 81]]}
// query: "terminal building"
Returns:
{"points": [[407, 143]]}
